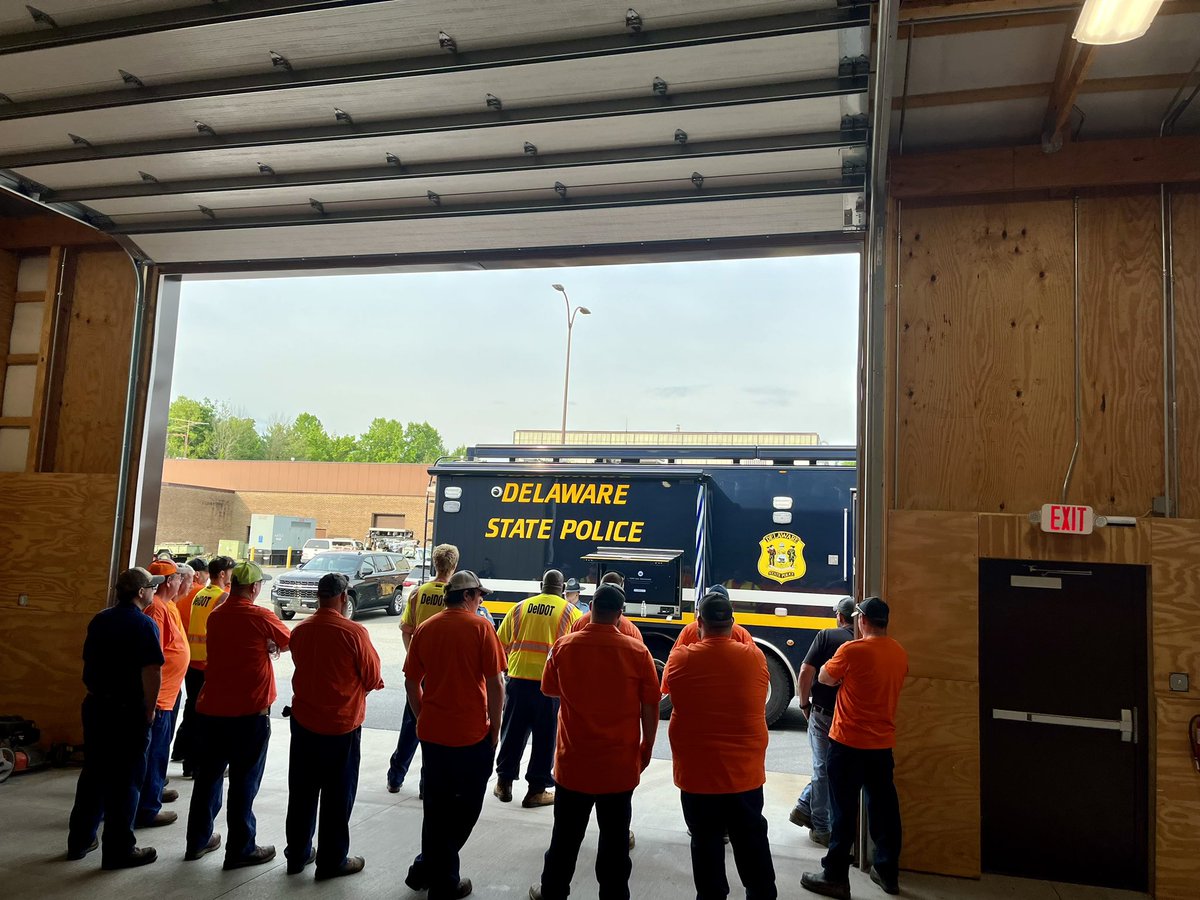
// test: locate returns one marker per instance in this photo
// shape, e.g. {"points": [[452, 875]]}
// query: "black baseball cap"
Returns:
{"points": [[874, 610], [609, 598], [198, 565], [846, 607], [715, 608], [716, 589]]}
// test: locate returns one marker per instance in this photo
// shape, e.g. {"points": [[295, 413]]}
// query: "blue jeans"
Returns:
{"points": [[321, 767], [114, 766], [455, 781], [527, 709], [815, 796], [157, 755], [239, 742], [406, 746]]}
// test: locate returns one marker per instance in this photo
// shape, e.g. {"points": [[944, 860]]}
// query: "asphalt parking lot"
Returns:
{"points": [[788, 749]]}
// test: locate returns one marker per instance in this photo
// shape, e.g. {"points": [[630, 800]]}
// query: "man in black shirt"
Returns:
{"points": [[122, 669], [812, 809]]}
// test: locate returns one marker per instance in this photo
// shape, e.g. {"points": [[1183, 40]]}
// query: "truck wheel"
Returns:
{"points": [[287, 615], [779, 689], [660, 649]]}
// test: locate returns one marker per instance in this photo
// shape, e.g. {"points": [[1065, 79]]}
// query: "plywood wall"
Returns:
{"points": [[91, 411], [58, 518], [933, 589], [984, 364], [1185, 212], [985, 355]]}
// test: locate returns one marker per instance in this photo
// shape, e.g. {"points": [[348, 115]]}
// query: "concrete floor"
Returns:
{"points": [[503, 857]]}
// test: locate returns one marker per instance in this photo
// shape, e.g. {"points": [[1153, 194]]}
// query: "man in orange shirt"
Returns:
{"points": [[188, 589], [869, 673], [202, 604], [691, 631], [718, 734], [336, 667], [163, 611], [452, 678], [605, 738], [234, 720], [623, 624]]}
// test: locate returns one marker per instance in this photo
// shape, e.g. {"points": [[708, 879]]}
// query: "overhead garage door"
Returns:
{"points": [[250, 134]]}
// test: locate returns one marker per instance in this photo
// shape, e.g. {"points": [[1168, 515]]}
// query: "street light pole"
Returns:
{"points": [[571, 313]]}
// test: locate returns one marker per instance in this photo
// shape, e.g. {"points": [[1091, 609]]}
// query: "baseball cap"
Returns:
{"points": [[198, 564], [133, 580], [572, 586], [164, 568], [609, 598], [875, 610], [845, 607], [716, 589], [716, 608], [466, 580], [247, 572]]}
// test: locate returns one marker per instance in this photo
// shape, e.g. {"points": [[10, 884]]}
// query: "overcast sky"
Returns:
{"points": [[741, 345]]}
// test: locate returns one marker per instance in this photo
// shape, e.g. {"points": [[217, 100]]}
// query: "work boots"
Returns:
{"points": [[503, 791], [538, 798]]}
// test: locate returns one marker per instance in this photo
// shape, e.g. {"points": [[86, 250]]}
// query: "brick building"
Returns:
{"points": [[206, 501]]}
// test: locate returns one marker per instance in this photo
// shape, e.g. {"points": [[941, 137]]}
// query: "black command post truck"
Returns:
{"points": [[774, 525]]}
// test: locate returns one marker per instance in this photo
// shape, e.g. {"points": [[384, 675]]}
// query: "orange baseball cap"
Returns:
{"points": [[163, 568]]}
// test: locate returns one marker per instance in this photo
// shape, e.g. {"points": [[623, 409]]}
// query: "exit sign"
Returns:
{"points": [[1059, 518]]}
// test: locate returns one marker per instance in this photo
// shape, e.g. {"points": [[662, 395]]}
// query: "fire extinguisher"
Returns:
{"points": [[1194, 737]]}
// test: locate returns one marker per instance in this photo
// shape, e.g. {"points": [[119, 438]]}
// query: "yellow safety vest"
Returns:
{"points": [[425, 602], [202, 606], [530, 629]]}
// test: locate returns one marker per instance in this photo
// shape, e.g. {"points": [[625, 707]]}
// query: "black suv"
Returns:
{"points": [[376, 582]]}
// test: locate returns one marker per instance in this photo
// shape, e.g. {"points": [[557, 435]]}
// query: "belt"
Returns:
{"points": [[822, 710]]}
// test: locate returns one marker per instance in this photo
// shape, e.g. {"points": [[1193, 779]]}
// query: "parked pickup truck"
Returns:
{"points": [[376, 582]]}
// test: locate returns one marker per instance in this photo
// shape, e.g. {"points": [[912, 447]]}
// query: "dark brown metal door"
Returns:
{"points": [[1063, 709]]}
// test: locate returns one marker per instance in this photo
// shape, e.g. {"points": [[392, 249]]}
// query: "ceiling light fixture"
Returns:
{"points": [[1114, 21]]}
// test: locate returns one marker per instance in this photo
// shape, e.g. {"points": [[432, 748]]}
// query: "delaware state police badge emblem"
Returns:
{"points": [[782, 557]]}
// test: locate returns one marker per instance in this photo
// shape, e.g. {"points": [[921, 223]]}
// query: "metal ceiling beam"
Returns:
{"points": [[564, 112], [523, 163], [166, 20], [1038, 90], [844, 185], [274, 78]]}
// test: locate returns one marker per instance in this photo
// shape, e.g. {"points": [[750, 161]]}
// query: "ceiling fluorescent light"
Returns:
{"points": [[1114, 21]]}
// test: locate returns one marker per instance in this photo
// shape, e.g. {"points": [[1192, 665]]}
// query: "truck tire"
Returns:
{"points": [[287, 614], [779, 690], [660, 649]]}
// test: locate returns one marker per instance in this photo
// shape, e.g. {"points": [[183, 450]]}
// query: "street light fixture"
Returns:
{"points": [[571, 313]]}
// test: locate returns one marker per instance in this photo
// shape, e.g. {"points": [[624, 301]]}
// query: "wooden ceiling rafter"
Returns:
{"points": [[941, 18]]}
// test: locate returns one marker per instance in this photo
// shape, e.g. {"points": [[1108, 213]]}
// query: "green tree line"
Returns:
{"points": [[204, 429]]}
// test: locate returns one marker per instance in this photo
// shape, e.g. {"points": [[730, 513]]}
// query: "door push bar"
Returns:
{"points": [[1126, 725]]}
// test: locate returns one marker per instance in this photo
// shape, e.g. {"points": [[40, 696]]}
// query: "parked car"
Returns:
{"points": [[416, 577], [376, 582], [313, 546]]}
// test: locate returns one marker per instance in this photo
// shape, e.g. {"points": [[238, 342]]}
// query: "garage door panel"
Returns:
{"points": [[760, 119], [781, 215], [799, 57], [395, 30], [580, 181]]}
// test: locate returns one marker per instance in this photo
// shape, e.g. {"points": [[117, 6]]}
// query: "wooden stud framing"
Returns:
{"points": [[49, 319]]}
